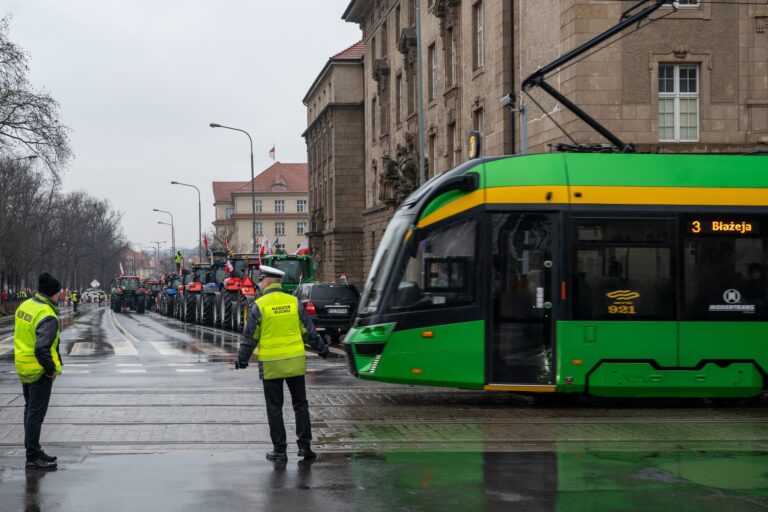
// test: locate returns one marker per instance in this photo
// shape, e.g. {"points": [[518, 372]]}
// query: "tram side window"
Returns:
{"points": [[441, 273], [725, 266], [623, 270]]}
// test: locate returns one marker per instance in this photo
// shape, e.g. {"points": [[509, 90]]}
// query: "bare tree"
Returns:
{"points": [[29, 118]]}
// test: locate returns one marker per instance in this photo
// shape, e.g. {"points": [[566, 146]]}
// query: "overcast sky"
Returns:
{"points": [[139, 80]]}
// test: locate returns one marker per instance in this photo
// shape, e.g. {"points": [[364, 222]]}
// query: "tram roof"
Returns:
{"points": [[627, 170], [582, 179]]}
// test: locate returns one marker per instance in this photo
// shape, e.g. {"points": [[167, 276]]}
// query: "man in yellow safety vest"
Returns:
{"points": [[38, 362], [179, 260], [278, 324]]}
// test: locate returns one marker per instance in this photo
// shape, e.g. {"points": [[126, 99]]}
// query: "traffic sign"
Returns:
{"points": [[95, 284]]}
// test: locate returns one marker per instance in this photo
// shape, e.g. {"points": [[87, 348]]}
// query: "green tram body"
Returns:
{"points": [[615, 275]]}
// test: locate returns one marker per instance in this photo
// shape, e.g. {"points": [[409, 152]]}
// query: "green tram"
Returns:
{"points": [[633, 275]]}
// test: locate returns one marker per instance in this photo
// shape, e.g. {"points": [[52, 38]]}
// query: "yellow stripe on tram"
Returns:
{"points": [[558, 194]]}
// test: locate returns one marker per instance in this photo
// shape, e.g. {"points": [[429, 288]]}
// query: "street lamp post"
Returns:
{"points": [[253, 184], [173, 229], [173, 252], [199, 219], [157, 254]]}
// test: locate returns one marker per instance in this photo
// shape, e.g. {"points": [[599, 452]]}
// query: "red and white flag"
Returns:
{"points": [[264, 249], [272, 153], [303, 247], [205, 242], [226, 243], [122, 272], [228, 268]]}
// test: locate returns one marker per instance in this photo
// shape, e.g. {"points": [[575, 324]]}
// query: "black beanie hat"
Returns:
{"points": [[48, 285]]}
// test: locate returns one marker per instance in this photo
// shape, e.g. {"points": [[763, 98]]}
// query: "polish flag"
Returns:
{"points": [[303, 247], [272, 153], [122, 272], [226, 243], [205, 242], [264, 249], [228, 268]]}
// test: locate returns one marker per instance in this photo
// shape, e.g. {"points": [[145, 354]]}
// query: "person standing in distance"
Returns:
{"points": [[179, 260], [38, 362], [278, 324]]}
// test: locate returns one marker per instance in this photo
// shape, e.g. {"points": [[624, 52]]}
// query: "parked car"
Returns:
{"points": [[331, 306]]}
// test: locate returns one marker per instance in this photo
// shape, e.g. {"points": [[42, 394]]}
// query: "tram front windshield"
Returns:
{"points": [[383, 262]]}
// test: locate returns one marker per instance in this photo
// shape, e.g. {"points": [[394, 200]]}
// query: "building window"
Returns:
{"points": [[230, 212], [678, 102], [279, 228], [451, 59], [432, 148], [301, 205], [453, 145], [257, 206], [478, 121], [685, 4], [397, 22], [259, 229], [279, 206], [301, 228], [384, 39], [479, 38], [399, 99], [373, 120], [432, 76], [412, 94]]}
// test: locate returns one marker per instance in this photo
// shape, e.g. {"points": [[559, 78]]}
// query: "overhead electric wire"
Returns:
{"points": [[550, 117]]}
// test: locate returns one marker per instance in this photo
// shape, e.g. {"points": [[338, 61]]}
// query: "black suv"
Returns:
{"points": [[331, 306]]}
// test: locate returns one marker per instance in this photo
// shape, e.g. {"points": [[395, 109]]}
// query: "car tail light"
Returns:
{"points": [[309, 306]]}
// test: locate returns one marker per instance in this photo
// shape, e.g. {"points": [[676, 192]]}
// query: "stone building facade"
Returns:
{"points": [[693, 78], [336, 156], [282, 208]]}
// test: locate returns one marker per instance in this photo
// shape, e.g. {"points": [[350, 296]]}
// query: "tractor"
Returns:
{"points": [[167, 297], [192, 298], [213, 284], [128, 294], [154, 287], [298, 269], [238, 291]]}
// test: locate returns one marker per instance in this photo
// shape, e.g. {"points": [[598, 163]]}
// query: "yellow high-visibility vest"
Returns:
{"points": [[28, 316], [281, 336]]}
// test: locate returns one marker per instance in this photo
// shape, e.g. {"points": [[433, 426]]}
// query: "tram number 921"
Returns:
{"points": [[621, 310]]}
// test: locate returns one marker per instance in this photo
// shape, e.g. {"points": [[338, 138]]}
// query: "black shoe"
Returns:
{"points": [[307, 453], [48, 458], [41, 464], [274, 455]]}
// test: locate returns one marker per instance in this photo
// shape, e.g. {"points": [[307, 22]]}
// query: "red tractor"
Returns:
{"points": [[239, 290]]}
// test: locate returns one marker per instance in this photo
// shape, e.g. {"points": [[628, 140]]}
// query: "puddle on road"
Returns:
{"points": [[406, 480]]}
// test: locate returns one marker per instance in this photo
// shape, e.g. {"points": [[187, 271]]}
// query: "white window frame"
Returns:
{"points": [[257, 206], [432, 53], [301, 228], [279, 228], [259, 229], [301, 206], [677, 96], [684, 4], [279, 206], [229, 213], [454, 60], [480, 35]]}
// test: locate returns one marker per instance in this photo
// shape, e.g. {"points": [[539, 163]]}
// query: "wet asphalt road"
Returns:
{"points": [[150, 415]]}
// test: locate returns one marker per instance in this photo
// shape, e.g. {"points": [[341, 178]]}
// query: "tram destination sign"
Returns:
{"points": [[734, 227]]}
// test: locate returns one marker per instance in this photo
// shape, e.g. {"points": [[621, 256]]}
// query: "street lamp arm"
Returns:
{"points": [[216, 125]]}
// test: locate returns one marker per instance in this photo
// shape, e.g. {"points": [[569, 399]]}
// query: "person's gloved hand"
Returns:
{"points": [[240, 365]]}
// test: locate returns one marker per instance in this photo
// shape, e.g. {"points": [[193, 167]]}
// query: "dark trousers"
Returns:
{"points": [[273, 393], [36, 398]]}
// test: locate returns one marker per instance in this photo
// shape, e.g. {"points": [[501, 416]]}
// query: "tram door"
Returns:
{"points": [[521, 321]]}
